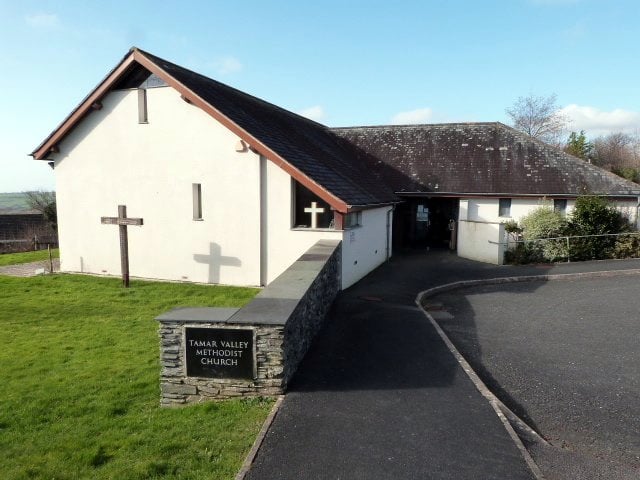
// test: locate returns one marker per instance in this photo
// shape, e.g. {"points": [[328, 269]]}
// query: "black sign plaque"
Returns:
{"points": [[219, 352]]}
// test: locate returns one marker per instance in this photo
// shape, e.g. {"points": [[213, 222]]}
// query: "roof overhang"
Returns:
{"points": [[49, 145]]}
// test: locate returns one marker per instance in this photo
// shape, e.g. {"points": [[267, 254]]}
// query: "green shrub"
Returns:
{"points": [[544, 222], [523, 253], [594, 215], [627, 246]]}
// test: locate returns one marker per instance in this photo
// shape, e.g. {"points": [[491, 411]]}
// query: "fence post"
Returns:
{"points": [[50, 258], [568, 251]]}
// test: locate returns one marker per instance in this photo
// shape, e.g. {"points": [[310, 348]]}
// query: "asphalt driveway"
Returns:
{"points": [[380, 396], [564, 356]]}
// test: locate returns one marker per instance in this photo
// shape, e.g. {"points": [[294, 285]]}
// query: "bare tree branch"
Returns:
{"points": [[539, 117], [45, 203]]}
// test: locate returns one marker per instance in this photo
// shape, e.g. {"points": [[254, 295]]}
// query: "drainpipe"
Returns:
{"points": [[388, 246]]}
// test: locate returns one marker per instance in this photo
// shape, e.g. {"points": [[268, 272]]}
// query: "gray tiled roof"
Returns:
{"points": [[487, 158], [305, 144], [364, 166]]}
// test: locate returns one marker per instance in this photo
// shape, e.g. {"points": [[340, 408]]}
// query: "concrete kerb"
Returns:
{"points": [[506, 416], [248, 461]]}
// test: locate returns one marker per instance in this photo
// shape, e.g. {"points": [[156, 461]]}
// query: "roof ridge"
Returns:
{"points": [[415, 125], [235, 90]]}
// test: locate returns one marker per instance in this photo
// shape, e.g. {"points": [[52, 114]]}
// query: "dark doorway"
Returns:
{"points": [[424, 222]]}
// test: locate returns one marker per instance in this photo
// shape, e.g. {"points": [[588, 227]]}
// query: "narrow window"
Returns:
{"points": [[504, 208], [560, 205], [142, 106], [353, 219], [197, 201]]}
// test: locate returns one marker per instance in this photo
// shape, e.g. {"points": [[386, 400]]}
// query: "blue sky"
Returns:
{"points": [[339, 62]]}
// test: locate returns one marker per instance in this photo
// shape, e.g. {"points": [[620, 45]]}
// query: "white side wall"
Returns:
{"points": [[486, 209], [481, 241], [110, 159], [365, 247]]}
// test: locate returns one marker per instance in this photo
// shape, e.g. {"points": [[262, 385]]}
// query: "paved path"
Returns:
{"points": [[564, 356], [29, 269], [379, 396]]}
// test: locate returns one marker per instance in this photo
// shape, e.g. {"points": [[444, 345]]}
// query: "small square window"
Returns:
{"points": [[504, 207], [560, 205], [352, 220]]}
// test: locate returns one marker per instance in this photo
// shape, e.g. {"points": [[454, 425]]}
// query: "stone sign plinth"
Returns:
{"points": [[215, 353]]}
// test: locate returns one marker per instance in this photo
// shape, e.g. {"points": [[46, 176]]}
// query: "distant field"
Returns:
{"points": [[13, 201]]}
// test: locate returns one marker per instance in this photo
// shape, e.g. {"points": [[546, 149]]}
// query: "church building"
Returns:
{"points": [[232, 189]]}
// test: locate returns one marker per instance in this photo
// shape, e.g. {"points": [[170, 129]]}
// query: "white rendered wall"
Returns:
{"points": [[111, 159], [481, 241], [365, 247], [486, 209]]}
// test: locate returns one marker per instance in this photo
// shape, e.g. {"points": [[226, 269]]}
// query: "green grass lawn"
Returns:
{"points": [[27, 257], [79, 396]]}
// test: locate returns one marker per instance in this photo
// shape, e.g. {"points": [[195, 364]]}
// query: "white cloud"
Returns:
{"points": [[315, 113], [598, 122], [42, 20], [419, 115], [227, 65]]}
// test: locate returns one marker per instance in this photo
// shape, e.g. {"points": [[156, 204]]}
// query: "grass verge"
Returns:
{"points": [[27, 257], [79, 396]]}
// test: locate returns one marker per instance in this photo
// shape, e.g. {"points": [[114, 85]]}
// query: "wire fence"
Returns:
{"points": [[572, 248], [37, 242]]}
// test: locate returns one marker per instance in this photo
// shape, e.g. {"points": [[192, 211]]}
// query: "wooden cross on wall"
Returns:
{"points": [[123, 221]]}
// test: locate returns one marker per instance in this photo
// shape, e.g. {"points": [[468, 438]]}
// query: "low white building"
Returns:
{"points": [[232, 189], [471, 178]]}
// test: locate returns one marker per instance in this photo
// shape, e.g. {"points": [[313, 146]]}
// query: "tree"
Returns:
{"points": [[615, 150], [539, 117], [578, 146], [45, 203]]}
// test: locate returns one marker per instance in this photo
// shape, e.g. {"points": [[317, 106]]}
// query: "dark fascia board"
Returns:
{"points": [[359, 208], [137, 56]]}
